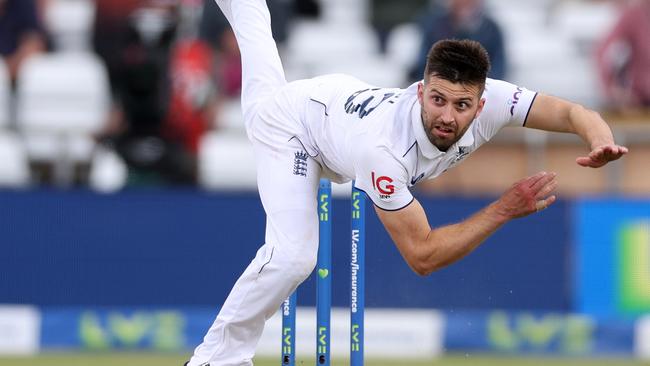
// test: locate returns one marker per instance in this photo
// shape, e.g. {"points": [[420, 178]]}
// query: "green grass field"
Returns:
{"points": [[144, 359]]}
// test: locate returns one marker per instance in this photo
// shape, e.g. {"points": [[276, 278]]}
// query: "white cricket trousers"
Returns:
{"points": [[287, 183]]}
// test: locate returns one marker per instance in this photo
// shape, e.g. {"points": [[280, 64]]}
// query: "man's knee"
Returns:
{"points": [[298, 265], [304, 265]]}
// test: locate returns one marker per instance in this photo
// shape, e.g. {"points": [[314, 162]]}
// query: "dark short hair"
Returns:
{"points": [[458, 61]]}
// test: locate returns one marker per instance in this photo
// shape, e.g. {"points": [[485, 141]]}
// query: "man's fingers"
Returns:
{"points": [[546, 190], [607, 153], [601, 156], [617, 150], [549, 201], [530, 181], [614, 153], [597, 154], [590, 163], [543, 204], [584, 161], [545, 179]]}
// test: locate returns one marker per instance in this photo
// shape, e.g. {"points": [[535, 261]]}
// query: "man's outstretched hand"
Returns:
{"points": [[602, 155], [527, 196]]}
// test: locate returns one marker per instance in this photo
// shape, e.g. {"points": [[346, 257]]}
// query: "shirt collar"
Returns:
{"points": [[428, 149]]}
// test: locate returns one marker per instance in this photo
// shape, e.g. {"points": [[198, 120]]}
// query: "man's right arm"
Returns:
{"points": [[427, 250]]}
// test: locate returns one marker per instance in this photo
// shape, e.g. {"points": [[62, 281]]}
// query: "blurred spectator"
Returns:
{"points": [[228, 66], [136, 40], [307, 8], [192, 96], [281, 12], [21, 33], [461, 19], [112, 21], [214, 30], [624, 58], [386, 14], [213, 23]]}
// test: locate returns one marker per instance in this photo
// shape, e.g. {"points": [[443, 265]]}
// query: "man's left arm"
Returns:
{"points": [[550, 113]]}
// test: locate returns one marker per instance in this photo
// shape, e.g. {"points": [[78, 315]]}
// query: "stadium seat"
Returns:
{"points": [[518, 16], [584, 22], [226, 161], [108, 171], [548, 62], [312, 44], [574, 80], [345, 11], [229, 116], [62, 100], [376, 71], [5, 89], [14, 164], [70, 23], [403, 45], [539, 47]]}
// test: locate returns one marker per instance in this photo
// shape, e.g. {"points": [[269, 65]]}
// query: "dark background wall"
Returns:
{"points": [[180, 248]]}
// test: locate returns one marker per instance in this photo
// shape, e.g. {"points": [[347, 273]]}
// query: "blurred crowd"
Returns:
{"points": [[624, 58], [172, 65]]}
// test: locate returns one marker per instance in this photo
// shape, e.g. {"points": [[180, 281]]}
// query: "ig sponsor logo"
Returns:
{"points": [[382, 184]]}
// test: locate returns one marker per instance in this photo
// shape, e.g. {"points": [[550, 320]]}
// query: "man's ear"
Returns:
{"points": [[481, 104], [420, 92]]}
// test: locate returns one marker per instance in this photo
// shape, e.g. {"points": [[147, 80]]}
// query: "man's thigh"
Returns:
{"points": [[287, 179]]}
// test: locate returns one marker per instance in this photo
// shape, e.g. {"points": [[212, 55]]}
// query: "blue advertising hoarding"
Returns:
{"points": [[101, 329], [186, 248], [612, 257], [538, 333], [469, 332]]}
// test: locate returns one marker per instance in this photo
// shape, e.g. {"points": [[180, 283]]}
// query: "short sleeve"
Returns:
{"points": [[506, 104], [382, 178]]}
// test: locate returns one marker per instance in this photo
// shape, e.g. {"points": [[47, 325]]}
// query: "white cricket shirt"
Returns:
{"points": [[376, 137]]}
